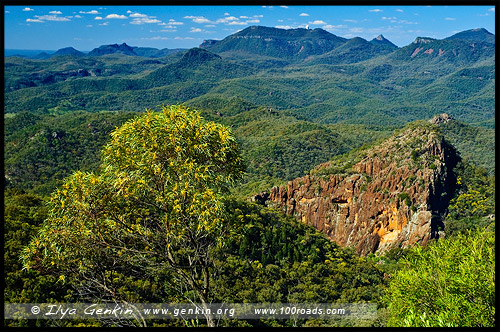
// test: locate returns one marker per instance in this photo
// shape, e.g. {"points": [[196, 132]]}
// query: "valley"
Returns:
{"points": [[357, 154]]}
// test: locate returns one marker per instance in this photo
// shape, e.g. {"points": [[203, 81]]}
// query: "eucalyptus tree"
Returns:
{"points": [[155, 211]]}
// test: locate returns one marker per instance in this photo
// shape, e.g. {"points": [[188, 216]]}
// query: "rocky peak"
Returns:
{"points": [[380, 40], [423, 40], [442, 118], [374, 199], [208, 43]]}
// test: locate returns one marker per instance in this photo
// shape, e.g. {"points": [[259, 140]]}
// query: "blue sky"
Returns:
{"points": [[87, 27]]}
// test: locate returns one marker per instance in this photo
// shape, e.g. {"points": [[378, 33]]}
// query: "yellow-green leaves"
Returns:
{"points": [[161, 185]]}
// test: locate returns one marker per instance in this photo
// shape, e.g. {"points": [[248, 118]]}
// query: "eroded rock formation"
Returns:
{"points": [[390, 195]]}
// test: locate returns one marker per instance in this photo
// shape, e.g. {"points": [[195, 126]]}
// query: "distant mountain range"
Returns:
{"points": [[294, 98], [148, 52], [311, 73], [290, 44]]}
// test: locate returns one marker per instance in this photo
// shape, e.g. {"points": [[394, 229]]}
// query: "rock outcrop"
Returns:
{"points": [[374, 199]]}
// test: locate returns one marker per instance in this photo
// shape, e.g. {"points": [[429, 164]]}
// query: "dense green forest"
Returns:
{"points": [[279, 116], [268, 257]]}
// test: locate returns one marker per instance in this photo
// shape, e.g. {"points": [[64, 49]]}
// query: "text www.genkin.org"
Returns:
{"points": [[362, 311], [248, 311]]}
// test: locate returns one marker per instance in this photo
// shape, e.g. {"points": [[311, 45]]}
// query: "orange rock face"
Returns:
{"points": [[392, 197]]}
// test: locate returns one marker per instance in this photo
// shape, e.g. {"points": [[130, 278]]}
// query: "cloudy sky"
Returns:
{"points": [[87, 27]]}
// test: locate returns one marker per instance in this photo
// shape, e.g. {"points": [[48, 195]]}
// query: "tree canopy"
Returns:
{"points": [[449, 283], [155, 208]]}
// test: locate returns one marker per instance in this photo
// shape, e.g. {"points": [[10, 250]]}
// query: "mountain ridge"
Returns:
{"points": [[291, 42], [478, 34], [356, 83]]}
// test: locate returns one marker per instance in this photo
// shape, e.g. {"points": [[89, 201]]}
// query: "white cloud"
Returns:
{"points": [[226, 14], [329, 26], [492, 9], [237, 23], [55, 12], [389, 18], [231, 20], [105, 23], [7, 12], [183, 38], [144, 20], [284, 6], [97, 18], [317, 22], [174, 22], [116, 16], [450, 19], [375, 10], [210, 26], [304, 14], [198, 19], [227, 19], [33, 20], [28, 9], [352, 21], [138, 15], [93, 12], [52, 18], [138, 19], [399, 10], [196, 30], [78, 16], [258, 16]]}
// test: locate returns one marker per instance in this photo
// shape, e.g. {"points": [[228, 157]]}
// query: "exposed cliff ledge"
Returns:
{"points": [[389, 195]]}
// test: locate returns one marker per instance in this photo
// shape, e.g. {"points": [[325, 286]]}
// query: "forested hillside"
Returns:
{"points": [[125, 142]]}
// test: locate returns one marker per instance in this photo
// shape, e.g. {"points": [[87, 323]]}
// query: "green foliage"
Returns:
{"points": [[414, 155], [473, 205], [40, 150], [449, 283], [405, 197], [156, 207], [23, 215], [474, 143], [273, 258]]}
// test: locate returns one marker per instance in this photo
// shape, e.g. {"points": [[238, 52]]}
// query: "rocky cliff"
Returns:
{"points": [[376, 198]]}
